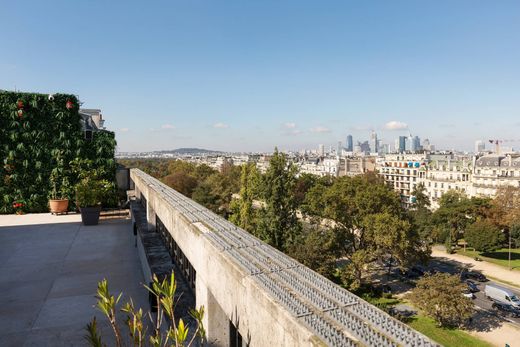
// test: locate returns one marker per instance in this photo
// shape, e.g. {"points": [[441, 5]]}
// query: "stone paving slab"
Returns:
{"points": [[49, 270]]}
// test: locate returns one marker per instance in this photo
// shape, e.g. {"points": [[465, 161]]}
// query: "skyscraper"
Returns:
{"points": [[426, 145], [480, 146], [402, 144], [365, 147], [409, 143], [339, 149], [416, 144], [349, 144], [373, 142], [321, 150]]}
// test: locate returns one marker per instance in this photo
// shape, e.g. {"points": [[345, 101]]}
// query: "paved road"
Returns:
{"points": [[489, 269]]}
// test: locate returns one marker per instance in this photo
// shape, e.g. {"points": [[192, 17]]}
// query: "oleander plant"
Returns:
{"points": [[41, 136]]}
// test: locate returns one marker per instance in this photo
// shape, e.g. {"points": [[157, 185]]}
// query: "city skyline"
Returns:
{"points": [[215, 76]]}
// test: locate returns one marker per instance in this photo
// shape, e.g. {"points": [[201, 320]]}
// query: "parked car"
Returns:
{"points": [[412, 273], [418, 269], [433, 271], [474, 276], [385, 288], [472, 286], [506, 309], [468, 294], [502, 295]]}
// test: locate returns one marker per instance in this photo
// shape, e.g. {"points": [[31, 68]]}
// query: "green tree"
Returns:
{"points": [[440, 296], [484, 236], [422, 201], [506, 207], [456, 211], [178, 165], [203, 172], [304, 183], [242, 210], [182, 182], [359, 265], [223, 185], [205, 195], [314, 201], [515, 235], [318, 249], [421, 215], [389, 236], [349, 200], [278, 224]]}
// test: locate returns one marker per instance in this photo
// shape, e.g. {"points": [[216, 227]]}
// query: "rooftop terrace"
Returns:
{"points": [[49, 270]]}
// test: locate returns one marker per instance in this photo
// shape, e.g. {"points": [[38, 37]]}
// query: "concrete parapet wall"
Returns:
{"points": [[227, 293], [270, 298]]}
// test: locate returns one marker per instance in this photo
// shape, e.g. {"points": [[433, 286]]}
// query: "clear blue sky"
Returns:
{"points": [[249, 75]]}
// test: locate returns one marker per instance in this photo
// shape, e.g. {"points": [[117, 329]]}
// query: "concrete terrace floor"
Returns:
{"points": [[49, 270]]}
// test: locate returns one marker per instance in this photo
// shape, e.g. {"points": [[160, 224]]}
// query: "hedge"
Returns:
{"points": [[40, 135]]}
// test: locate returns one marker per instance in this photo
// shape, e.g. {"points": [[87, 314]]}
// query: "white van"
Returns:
{"points": [[502, 295]]}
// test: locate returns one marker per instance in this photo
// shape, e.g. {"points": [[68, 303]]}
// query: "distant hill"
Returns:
{"points": [[189, 151]]}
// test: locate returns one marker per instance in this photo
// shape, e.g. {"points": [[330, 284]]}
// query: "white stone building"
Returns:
{"points": [[321, 167], [441, 176], [403, 172], [494, 171]]}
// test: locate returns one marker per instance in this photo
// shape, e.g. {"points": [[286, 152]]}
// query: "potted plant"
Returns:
{"points": [[19, 206], [58, 201], [89, 194]]}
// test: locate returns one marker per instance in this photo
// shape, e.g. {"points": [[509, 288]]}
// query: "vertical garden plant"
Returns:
{"points": [[40, 135]]}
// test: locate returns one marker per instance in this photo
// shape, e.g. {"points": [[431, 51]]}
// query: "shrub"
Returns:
{"points": [[91, 192], [166, 332]]}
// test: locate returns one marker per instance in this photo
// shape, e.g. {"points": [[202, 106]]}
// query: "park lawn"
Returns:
{"points": [[446, 337], [428, 327], [499, 257]]}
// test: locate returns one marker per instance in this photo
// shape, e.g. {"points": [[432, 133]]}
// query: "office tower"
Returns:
{"points": [[350, 143], [409, 143], [416, 144], [480, 146], [426, 145], [339, 149], [402, 144], [373, 142], [321, 150], [365, 147]]}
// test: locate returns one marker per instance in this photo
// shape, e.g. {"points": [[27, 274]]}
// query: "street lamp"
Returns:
{"points": [[509, 249], [509, 253]]}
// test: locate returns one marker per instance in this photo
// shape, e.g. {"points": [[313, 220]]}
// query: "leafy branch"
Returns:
{"points": [[167, 332]]}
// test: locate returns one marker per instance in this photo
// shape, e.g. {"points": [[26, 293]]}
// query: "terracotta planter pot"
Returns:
{"points": [[59, 206], [90, 215]]}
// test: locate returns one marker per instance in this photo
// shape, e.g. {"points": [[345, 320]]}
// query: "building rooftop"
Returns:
{"points": [[50, 268]]}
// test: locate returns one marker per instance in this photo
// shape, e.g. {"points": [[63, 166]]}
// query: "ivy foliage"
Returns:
{"points": [[40, 135]]}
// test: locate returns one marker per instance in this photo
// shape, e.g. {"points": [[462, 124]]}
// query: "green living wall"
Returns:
{"points": [[40, 137]]}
